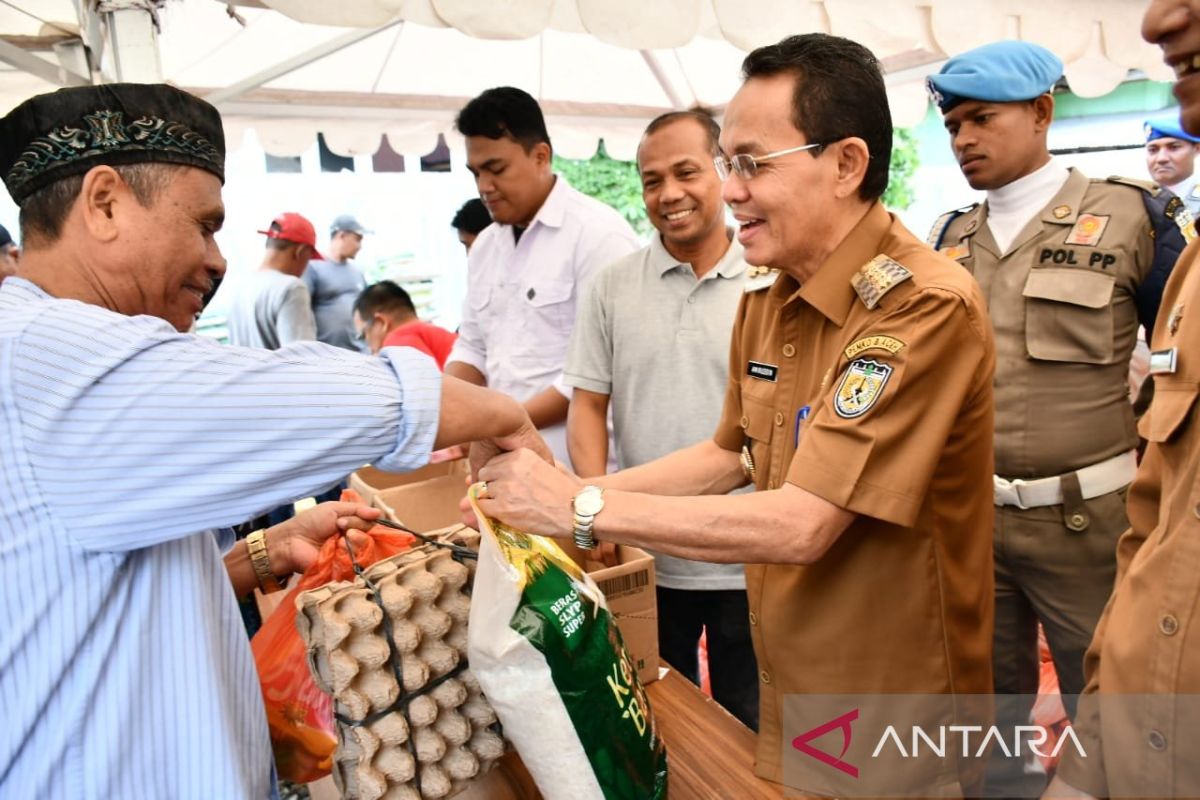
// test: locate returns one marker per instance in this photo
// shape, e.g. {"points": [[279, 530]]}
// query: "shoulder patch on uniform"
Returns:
{"points": [[758, 278], [938, 231], [887, 343], [861, 385], [878, 277], [1146, 186], [1181, 215]]}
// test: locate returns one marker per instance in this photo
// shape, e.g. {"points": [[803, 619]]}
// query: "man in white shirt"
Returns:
{"points": [[1171, 159], [271, 307], [525, 271]]}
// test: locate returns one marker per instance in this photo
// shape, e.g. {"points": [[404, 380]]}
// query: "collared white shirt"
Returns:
{"points": [[1187, 192], [125, 449], [522, 296]]}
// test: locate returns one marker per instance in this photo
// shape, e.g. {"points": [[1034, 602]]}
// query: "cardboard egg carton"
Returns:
{"points": [[424, 594]]}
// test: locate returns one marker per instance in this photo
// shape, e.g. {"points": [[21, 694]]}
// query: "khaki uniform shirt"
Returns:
{"points": [[1062, 305], [899, 431], [1148, 641]]}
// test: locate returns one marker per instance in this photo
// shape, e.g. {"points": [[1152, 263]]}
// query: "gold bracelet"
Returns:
{"points": [[256, 546]]}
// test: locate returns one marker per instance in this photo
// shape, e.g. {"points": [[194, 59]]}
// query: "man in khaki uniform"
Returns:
{"points": [[1139, 715], [1068, 268], [860, 403]]}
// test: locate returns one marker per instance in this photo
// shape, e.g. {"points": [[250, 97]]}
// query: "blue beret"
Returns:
{"points": [[1001, 72], [1164, 127]]}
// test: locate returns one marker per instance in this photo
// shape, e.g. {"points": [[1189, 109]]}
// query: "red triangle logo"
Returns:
{"points": [[801, 742]]}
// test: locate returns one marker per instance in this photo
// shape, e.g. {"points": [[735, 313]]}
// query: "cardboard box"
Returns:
{"points": [[369, 481], [426, 505], [629, 590]]}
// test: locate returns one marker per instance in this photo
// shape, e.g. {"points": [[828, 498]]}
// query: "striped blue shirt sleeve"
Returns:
{"points": [[137, 434]]}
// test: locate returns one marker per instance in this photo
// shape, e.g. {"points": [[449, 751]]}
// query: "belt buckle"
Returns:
{"points": [[1009, 492]]}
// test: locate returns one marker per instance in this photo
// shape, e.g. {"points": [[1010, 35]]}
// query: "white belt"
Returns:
{"points": [[1094, 481]]}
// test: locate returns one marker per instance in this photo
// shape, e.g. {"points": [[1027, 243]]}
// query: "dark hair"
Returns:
{"points": [[702, 116], [473, 217], [504, 111], [839, 94], [386, 296], [44, 211]]}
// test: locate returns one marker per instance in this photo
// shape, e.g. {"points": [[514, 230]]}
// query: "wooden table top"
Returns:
{"points": [[710, 753]]}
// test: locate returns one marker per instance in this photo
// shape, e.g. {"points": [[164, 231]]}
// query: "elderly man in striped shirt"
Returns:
{"points": [[128, 447]]}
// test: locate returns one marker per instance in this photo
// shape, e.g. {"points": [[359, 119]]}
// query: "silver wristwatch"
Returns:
{"points": [[587, 504]]}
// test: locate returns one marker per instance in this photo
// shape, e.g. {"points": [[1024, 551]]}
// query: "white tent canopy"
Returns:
{"points": [[357, 69]]}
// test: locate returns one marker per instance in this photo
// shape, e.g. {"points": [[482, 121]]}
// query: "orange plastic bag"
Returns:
{"points": [[299, 714]]}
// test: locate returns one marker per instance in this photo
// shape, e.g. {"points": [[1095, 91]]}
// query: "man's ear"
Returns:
{"points": [[542, 153], [852, 157], [1043, 111], [103, 197]]}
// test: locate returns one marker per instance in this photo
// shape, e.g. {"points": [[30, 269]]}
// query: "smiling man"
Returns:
{"points": [[652, 337], [525, 271], [858, 403], [1069, 266], [131, 447], [1171, 159]]}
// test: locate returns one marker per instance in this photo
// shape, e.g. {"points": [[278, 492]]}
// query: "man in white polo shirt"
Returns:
{"points": [[525, 270], [652, 337]]}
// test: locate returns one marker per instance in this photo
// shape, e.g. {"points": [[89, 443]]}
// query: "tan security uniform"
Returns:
{"points": [[1062, 305], [1148, 640], [896, 375]]}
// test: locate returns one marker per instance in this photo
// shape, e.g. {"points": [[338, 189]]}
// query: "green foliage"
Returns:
{"points": [[609, 181], [899, 194], [617, 183]]}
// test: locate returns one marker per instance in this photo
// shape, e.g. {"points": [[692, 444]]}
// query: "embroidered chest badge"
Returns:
{"points": [[957, 251], [860, 387], [1087, 230], [880, 275]]}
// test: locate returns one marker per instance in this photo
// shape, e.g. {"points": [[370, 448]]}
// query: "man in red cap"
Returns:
{"points": [[272, 307]]}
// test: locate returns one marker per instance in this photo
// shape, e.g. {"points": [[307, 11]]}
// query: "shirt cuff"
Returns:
{"points": [[468, 355], [420, 403], [587, 384]]}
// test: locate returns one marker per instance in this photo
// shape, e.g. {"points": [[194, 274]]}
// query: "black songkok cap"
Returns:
{"points": [[54, 136]]}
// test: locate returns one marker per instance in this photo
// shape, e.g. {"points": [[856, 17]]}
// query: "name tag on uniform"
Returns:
{"points": [[1162, 362], [764, 372]]}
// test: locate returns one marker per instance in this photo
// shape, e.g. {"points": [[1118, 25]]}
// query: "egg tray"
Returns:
{"points": [[390, 647]]}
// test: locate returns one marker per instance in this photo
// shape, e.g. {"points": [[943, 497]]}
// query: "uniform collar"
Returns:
{"points": [[829, 290], [1063, 209], [731, 264]]}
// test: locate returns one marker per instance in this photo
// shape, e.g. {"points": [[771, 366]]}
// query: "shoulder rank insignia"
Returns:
{"points": [[938, 231], [758, 278], [1179, 213], [880, 275], [861, 385]]}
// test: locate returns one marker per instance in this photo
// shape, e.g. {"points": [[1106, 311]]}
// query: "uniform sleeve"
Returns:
{"points": [[876, 436], [730, 433], [590, 352], [295, 321], [471, 345], [135, 434]]}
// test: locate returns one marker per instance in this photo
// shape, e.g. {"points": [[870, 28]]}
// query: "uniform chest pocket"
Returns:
{"points": [[1068, 315]]}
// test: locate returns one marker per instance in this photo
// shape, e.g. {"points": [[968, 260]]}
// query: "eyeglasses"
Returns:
{"points": [[746, 165]]}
